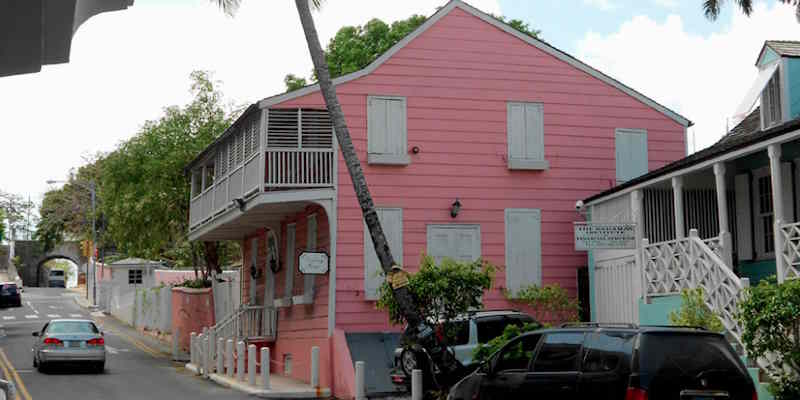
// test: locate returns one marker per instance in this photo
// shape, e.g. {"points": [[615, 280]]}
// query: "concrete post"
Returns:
{"points": [[677, 199], [416, 384], [251, 365], [240, 361], [221, 356], [229, 358], [176, 351], [192, 352], [206, 356], [776, 172], [265, 368], [211, 349], [361, 388], [315, 367]]}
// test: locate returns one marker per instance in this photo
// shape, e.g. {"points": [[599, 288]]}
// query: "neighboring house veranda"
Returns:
{"points": [[721, 219], [465, 110]]}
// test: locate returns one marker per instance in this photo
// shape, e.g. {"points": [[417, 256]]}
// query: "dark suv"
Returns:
{"points": [[592, 361], [9, 295]]}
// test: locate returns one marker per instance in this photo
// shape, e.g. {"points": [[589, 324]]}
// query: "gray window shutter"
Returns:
{"points": [[523, 248], [377, 120], [630, 152], [456, 241], [788, 195], [516, 130], [387, 131], [534, 131], [525, 130], [744, 233], [396, 126], [291, 235], [392, 223]]}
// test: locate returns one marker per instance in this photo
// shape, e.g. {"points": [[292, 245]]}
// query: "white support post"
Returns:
{"points": [[206, 356], [221, 356], [192, 351], [677, 199], [210, 349], [240, 356], [315, 367], [251, 365], [361, 389], [774, 152], [722, 213], [645, 243], [416, 384], [229, 358], [265, 368], [637, 212]]}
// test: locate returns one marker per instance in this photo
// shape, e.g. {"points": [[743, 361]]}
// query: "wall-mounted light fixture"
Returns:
{"points": [[415, 149], [239, 203], [455, 208]]}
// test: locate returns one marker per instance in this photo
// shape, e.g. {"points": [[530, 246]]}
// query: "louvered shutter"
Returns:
{"points": [[387, 132], [525, 135], [744, 232], [630, 148], [392, 223], [523, 231]]}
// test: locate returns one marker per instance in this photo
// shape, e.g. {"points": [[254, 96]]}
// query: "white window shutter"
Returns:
{"points": [[516, 130], [534, 131], [457, 241], [523, 248], [630, 153], [788, 195], [377, 116], [392, 223], [387, 130], [396, 126], [744, 233]]}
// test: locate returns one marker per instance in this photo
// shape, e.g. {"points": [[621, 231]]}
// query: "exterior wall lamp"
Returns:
{"points": [[239, 203], [455, 208]]}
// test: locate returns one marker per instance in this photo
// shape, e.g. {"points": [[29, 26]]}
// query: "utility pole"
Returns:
{"points": [[94, 243]]}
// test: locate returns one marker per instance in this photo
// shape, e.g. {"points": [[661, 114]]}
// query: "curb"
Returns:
{"points": [[232, 383]]}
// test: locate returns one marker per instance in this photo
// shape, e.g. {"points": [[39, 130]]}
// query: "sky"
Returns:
{"points": [[126, 66]]}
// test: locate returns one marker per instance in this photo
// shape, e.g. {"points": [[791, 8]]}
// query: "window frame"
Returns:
{"points": [[401, 158], [772, 101], [525, 163], [760, 234], [133, 278]]}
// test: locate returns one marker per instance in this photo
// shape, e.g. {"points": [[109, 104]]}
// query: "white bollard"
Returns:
{"points": [[229, 358], [315, 367], [206, 357], [192, 352], [265, 368], [211, 349], [221, 356], [416, 384], [240, 361], [251, 365], [175, 348], [361, 388]]}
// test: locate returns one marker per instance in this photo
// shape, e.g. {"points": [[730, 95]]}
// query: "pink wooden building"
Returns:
{"points": [[465, 109]]}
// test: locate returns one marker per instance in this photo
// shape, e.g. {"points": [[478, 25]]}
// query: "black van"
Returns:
{"points": [[592, 361]]}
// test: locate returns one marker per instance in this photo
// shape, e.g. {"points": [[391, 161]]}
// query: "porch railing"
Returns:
{"points": [[299, 167], [791, 251], [248, 322], [690, 263]]}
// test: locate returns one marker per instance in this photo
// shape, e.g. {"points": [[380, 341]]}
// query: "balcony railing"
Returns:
{"points": [[299, 168]]}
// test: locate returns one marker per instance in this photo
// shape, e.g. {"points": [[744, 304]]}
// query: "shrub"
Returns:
{"points": [[770, 316], [549, 302], [694, 312], [198, 283]]}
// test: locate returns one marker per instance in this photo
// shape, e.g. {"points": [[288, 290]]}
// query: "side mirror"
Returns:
{"points": [[35, 333]]}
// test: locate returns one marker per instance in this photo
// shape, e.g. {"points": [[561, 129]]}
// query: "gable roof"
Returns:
{"points": [[783, 48], [538, 43]]}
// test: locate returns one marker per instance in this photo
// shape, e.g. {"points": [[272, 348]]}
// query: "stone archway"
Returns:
{"points": [[32, 257]]}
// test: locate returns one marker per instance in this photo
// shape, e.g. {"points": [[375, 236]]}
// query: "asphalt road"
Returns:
{"points": [[133, 369]]}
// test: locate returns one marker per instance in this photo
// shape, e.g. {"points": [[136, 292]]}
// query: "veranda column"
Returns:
{"points": [[637, 214], [722, 213], [677, 199], [774, 152]]}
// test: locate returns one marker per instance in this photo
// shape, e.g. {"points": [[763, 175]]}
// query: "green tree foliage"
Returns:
{"points": [[712, 8], [355, 47], [2, 225], [18, 214], [694, 312], [144, 191], [549, 302], [442, 292], [485, 350], [770, 316]]}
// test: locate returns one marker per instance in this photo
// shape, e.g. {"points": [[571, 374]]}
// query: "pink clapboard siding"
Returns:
{"points": [[457, 78]]}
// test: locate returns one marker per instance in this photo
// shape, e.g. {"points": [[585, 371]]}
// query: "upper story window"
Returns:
{"points": [[299, 128], [525, 130], [630, 153], [387, 133], [771, 101]]}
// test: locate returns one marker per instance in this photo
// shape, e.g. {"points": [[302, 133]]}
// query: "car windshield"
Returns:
{"points": [[72, 327], [679, 354], [57, 273]]}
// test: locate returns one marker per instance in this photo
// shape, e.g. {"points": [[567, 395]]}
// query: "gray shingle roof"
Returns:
{"points": [[749, 125], [784, 47]]}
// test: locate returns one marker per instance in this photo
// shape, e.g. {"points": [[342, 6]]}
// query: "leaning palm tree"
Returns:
{"points": [[712, 7], [382, 250]]}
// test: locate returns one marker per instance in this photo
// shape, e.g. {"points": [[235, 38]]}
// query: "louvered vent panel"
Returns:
{"points": [[231, 154], [222, 159], [255, 132], [248, 140], [239, 147], [317, 129], [282, 130]]}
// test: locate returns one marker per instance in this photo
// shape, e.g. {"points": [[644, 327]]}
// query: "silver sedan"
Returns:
{"points": [[69, 341]]}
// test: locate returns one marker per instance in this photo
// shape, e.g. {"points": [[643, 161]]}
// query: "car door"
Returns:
{"points": [[606, 365], [555, 369], [509, 368]]}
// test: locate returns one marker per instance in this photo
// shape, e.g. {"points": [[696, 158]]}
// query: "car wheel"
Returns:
{"points": [[42, 367], [99, 367], [408, 361], [35, 363]]}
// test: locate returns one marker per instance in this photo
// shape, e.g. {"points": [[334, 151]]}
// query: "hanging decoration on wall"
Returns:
{"points": [[314, 263], [272, 252]]}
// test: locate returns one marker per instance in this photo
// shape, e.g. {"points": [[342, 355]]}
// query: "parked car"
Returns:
{"points": [[466, 332], [67, 341], [56, 278], [9, 295], [608, 362]]}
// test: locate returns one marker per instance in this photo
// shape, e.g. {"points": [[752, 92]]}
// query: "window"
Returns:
{"points": [[392, 222], [559, 352], [299, 128], [457, 332], [771, 101], [490, 328], [525, 130], [456, 241], [523, 248], [387, 135], [764, 216], [516, 356], [630, 151], [604, 352], [134, 277]]}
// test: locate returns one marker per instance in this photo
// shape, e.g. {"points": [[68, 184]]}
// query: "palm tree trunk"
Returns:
{"points": [[384, 253]]}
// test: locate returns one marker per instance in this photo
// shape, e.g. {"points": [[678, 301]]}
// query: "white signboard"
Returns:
{"points": [[313, 263], [617, 236]]}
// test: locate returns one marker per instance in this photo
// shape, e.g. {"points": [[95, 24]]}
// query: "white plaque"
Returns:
{"points": [[313, 263], [617, 236]]}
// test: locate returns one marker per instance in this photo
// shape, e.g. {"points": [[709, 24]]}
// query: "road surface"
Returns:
{"points": [[134, 370]]}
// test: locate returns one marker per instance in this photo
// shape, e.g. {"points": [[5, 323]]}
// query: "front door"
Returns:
{"points": [[461, 242]]}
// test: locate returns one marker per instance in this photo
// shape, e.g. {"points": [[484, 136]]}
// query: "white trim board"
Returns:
{"points": [[541, 45]]}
